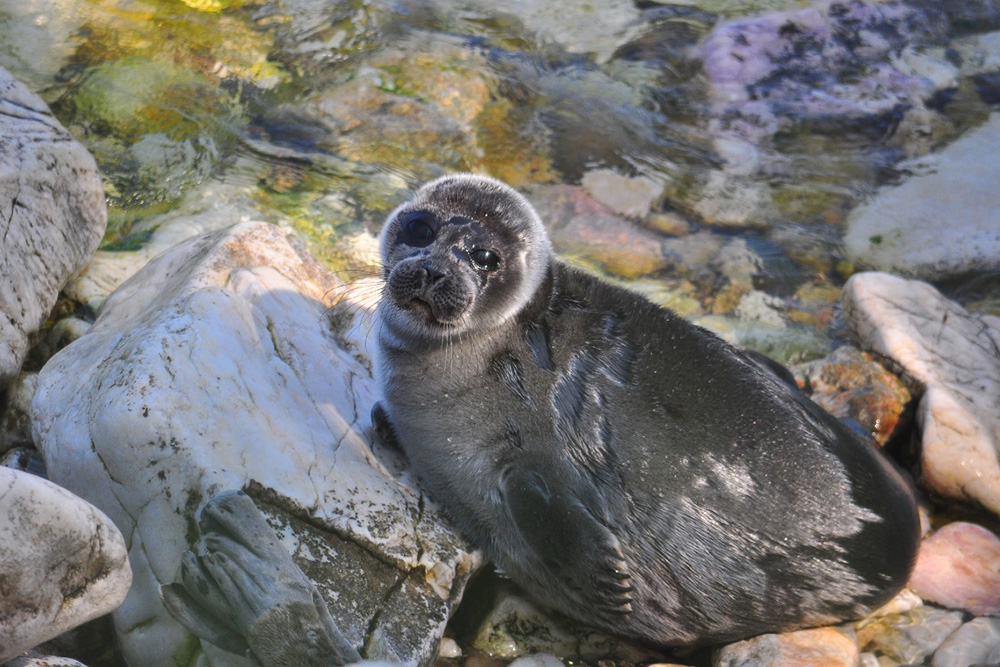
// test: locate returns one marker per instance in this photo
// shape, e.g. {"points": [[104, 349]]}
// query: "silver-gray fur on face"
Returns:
{"points": [[626, 467]]}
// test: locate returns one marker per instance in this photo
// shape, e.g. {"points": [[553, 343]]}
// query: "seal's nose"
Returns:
{"points": [[432, 273]]}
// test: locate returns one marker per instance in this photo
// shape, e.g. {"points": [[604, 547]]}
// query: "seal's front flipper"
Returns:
{"points": [[241, 591], [569, 541]]}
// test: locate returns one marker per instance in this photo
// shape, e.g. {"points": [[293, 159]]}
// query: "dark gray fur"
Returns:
{"points": [[624, 466]]}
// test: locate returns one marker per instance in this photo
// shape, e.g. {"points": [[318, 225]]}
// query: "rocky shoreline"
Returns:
{"points": [[222, 355]]}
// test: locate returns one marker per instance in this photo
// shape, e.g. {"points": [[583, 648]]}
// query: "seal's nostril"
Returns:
{"points": [[433, 274]]}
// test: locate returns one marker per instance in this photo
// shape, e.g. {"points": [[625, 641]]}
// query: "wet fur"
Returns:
{"points": [[624, 466]]}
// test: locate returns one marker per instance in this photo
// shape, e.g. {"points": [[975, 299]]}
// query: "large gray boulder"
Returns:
{"points": [[52, 216], [222, 365]]}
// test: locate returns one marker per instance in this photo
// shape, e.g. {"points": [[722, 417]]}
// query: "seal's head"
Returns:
{"points": [[465, 254]]}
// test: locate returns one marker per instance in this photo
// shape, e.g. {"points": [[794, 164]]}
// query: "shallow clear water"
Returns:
{"points": [[323, 116]]}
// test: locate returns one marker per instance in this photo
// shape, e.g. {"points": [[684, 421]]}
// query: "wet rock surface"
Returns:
{"points": [[851, 385], [62, 562], [218, 367], [52, 216]]}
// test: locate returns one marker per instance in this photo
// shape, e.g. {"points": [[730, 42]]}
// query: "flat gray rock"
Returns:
{"points": [[942, 220], [52, 217], [221, 365], [950, 357], [62, 562]]}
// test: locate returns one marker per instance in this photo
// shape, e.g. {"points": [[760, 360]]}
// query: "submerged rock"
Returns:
{"points": [[221, 366], [959, 567], [52, 217], [950, 357], [632, 197], [580, 225], [62, 562], [829, 66], [943, 219]]}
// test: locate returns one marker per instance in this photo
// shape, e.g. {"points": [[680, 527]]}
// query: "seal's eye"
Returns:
{"points": [[417, 231], [487, 260]]}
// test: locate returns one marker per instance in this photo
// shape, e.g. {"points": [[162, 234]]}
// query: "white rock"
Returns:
{"points": [[975, 643], [52, 216], [217, 367], [943, 220], [953, 358], [33, 659], [62, 562], [538, 660]]}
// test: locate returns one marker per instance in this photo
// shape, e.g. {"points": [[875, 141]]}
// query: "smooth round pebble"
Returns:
{"points": [[959, 567]]}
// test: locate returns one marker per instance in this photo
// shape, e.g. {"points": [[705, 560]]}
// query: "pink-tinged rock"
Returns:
{"points": [[950, 356], [959, 567], [582, 226], [817, 647]]}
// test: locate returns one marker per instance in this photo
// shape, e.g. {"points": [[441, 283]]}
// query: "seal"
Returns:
{"points": [[624, 466]]}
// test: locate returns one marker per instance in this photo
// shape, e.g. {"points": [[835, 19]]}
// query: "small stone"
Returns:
{"points": [[479, 659], [904, 601], [668, 223], [975, 643], [909, 637], [630, 196], [830, 647], [62, 562], [948, 355], [15, 418], [959, 567], [868, 660], [449, 648], [538, 660], [515, 628], [36, 659], [851, 384]]}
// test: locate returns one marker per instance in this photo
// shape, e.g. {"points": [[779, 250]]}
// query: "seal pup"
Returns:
{"points": [[624, 466]]}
